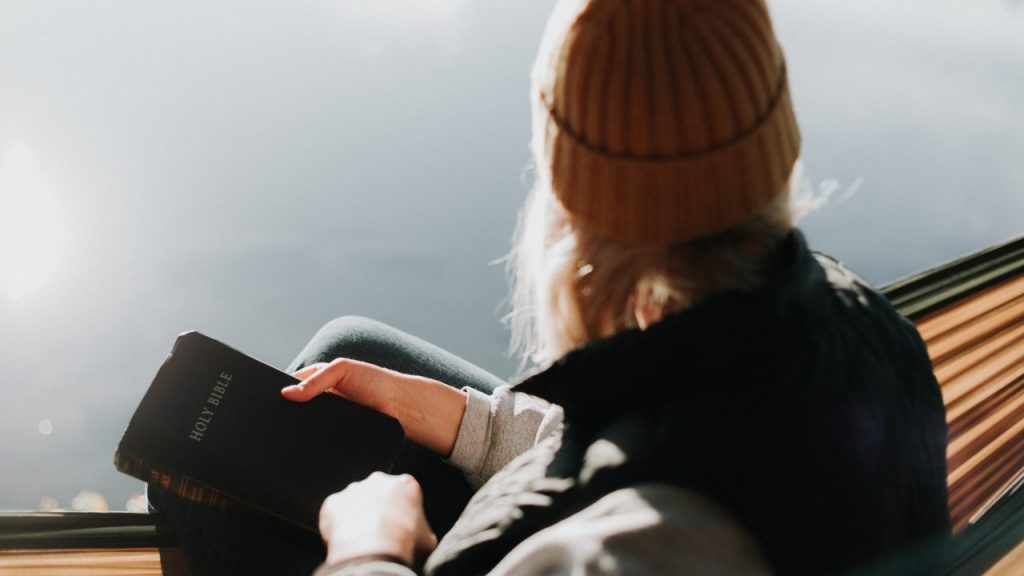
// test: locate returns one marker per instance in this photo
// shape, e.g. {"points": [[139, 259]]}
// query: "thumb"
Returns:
{"points": [[426, 540]]}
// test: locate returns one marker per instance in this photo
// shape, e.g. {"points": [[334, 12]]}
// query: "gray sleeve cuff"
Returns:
{"points": [[364, 567], [498, 427], [474, 437]]}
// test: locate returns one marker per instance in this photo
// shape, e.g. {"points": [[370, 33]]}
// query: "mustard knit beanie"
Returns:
{"points": [[659, 121]]}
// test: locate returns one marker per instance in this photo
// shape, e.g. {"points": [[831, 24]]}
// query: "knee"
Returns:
{"points": [[350, 329], [354, 337]]}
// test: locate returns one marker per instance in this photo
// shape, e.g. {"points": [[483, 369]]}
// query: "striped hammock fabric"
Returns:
{"points": [[971, 316]]}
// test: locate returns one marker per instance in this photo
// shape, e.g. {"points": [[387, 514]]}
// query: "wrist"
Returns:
{"points": [[349, 551], [431, 414], [332, 568]]}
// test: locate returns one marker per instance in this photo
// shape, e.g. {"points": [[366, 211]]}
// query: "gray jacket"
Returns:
{"points": [[651, 529]]}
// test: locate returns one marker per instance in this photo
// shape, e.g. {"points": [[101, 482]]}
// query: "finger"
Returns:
{"points": [[323, 378], [426, 540], [307, 371], [359, 382], [409, 491]]}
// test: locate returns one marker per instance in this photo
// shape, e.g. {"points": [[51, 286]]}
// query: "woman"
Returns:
{"points": [[712, 398]]}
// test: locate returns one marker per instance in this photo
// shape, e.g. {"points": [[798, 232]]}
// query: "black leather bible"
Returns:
{"points": [[213, 428]]}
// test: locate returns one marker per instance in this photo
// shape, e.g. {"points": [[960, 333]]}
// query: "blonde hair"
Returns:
{"points": [[659, 182], [571, 285]]}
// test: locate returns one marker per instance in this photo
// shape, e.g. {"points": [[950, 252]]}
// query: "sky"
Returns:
{"points": [[254, 170]]}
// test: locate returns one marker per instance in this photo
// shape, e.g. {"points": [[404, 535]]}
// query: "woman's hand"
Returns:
{"points": [[379, 516], [360, 382], [429, 411]]}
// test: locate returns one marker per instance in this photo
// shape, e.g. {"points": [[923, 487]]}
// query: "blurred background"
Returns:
{"points": [[252, 170]]}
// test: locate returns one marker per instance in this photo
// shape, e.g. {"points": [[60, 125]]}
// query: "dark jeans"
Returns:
{"points": [[220, 543]]}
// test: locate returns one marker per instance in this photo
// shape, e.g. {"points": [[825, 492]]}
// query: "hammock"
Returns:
{"points": [[970, 313]]}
